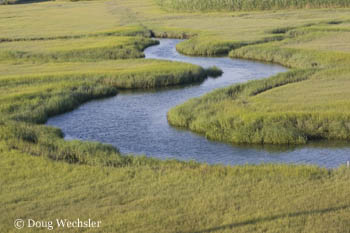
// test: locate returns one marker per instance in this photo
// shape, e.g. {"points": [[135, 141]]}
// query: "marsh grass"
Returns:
{"points": [[30, 99], [214, 71], [252, 5], [128, 31], [205, 47], [238, 126], [256, 112], [56, 84], [75, 179], [142, 194], [78, 49], [209, 46], [290, 56]]}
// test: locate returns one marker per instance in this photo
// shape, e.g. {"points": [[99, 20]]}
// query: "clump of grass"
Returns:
{"points": [[204, 46], [335, 22], [171, 34], [280, 30], [242, 5], [148, 80], [214, 71], [47, 142], [209, 46]]}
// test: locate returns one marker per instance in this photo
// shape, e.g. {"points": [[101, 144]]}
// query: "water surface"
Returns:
{"points": [[136, 123]]}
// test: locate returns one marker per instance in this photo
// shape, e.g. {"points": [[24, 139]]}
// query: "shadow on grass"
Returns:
{"points": [[271, 218], [11, 2]]}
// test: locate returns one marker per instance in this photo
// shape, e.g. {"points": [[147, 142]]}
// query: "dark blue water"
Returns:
{"points": [[136, 122]]}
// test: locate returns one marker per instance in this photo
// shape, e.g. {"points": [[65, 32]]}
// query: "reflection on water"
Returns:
{"points": [[135, 121]]}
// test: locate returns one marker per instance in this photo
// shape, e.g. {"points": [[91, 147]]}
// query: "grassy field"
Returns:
{"points": [[175, 197], [76, 49], [241, 5], [56, 55]]}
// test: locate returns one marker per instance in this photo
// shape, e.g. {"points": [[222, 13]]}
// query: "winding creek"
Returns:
{"points": [[136, 123]]}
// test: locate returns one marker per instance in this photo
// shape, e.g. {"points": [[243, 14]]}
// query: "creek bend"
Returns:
{"points": [[135, 121]]}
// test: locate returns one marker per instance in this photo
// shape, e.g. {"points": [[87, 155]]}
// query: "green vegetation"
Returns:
{"points": [[198, 46], [201, 47], [78, 51], [174, 197], [48, 76], [214, 71], [31, 97], [237, 114], [251, 5], [310, 102]]}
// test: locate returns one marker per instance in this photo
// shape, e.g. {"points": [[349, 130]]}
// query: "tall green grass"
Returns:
{"points": [[54, 92], [130, 30], [251, 5], [209, 46], [230, 115], [91, 49], [179, 195], [303, 57]]}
